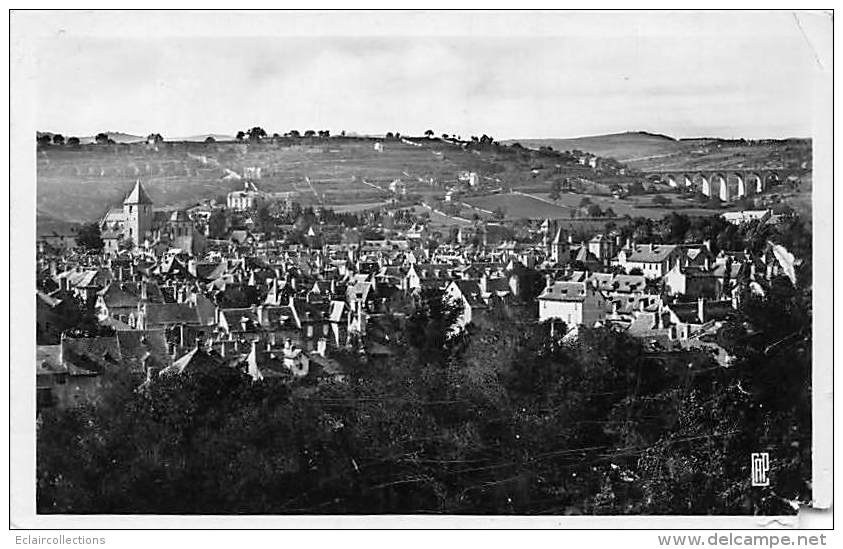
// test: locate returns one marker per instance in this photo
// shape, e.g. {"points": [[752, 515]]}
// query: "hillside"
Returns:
{"points": [[48, 225], [81, 183], [647, 151], [202, 137], [621, 146]]}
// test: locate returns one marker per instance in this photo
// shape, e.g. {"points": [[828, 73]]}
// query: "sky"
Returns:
{"points": [[508, 75]]}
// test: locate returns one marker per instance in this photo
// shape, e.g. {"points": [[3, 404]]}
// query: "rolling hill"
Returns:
{"points": [[81, 183], [648, 151], [621, 146]]}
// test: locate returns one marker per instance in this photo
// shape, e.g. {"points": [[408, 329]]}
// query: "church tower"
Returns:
{"points": [[137, 211]]}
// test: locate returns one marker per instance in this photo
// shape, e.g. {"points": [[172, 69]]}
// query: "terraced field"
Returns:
{"points": [[80, 183]]}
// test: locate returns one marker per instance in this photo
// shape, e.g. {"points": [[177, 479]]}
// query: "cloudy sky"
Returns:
{"points": [[734, 74]]}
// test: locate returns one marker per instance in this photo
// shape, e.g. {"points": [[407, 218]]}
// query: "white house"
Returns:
{"points": [[574, 303], [654, 260]]}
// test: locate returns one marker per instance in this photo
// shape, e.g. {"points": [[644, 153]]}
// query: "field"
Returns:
{"points": [[540, 205], [519, 206]]}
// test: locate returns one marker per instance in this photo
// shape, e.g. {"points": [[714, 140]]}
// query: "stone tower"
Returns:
{"points": [[137, 211]]}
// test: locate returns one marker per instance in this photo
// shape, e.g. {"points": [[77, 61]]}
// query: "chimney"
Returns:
{"points": [[548, 280], [629, 243], [701, 309]]}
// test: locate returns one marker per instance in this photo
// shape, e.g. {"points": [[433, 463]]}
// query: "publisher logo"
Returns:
{"points": [[760, 468]]}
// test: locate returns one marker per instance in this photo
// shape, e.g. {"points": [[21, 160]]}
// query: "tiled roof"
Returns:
{"points": [[470, 290], [162, 314], [564, 291], [136, 347], [194, 360], [647, 253]]}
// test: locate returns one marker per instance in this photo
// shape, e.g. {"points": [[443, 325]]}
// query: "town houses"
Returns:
{"points": [[162, 297]]}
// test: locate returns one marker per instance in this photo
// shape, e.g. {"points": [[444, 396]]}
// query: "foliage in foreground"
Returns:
{"points": [[502, 420]]}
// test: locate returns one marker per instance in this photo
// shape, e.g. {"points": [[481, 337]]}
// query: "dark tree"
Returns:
{"points": [[217, 224], [241, 135], [428, 133], [210, 139], [154, 138], [90, 237], [309, 133], [256, 134], [74, 141], [58, 139], [102, 138], [43, 139], [555, 189]]}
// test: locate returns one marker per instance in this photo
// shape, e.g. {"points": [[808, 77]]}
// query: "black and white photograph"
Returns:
{"points": [[421, 269]]}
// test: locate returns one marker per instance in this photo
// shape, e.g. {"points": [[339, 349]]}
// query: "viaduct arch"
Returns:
{"points": [[725, 184]]}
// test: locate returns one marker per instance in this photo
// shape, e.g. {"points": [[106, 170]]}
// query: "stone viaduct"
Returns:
{"points": [[725, 184]]}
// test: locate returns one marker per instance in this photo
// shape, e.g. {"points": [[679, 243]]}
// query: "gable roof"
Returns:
{"points": [[564, 291], [650, 253], [470, 290]]}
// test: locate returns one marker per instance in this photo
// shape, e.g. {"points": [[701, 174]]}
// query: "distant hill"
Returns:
{"points": [[201, 138], [620, 146], [117, 137]]}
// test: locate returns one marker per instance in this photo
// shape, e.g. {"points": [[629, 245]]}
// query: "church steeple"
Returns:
{"points": [[137, 211], [138, 195]]}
